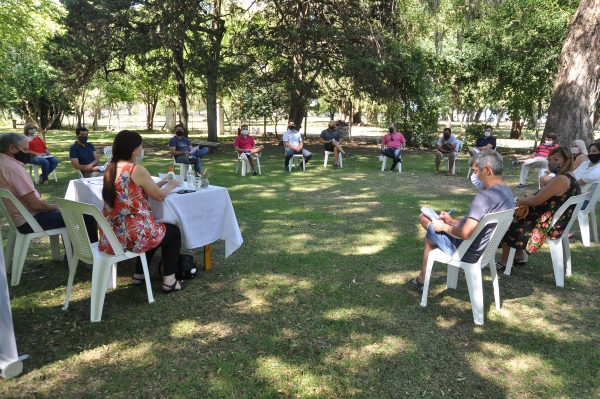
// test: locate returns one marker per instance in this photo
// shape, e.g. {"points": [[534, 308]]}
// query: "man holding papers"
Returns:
{"points": [[181, 149], [447, 233]]}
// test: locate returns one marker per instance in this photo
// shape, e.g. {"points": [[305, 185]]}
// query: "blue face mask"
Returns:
{"points": [[476, 182], [139, 159]]}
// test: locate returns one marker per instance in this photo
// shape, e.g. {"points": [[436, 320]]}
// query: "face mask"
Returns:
{"points": [[446, 136], [391, 130], [549, 142], [331, 127], [23, 157], [575, 150], [476, 182], [244, 132], [139, 159], [83, 139], [487, 134], [291, 127], [554, 167], [179, 132], [594, 158], [32, 131]]}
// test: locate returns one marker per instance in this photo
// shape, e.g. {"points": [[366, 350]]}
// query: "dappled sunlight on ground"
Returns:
{"points": [[358, 313], [263, 293], [194, 329], [288, 378], [364, 350]]}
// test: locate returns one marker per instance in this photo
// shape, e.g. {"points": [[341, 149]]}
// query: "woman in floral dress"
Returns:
{"points": [[126, 209], [530, 233]]}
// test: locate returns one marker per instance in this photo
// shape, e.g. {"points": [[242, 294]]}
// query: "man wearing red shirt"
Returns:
{"points": [[537, 159], [244, 144], [39, 153]]}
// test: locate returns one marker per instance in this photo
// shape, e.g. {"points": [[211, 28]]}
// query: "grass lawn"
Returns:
{"points": [[314, 304]]}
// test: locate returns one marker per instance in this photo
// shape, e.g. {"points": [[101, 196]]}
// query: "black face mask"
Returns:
{"points": [[331, 127], [594, 158], [179, 132], [292, 127], [391, 130], [83, 139], [446, 137], [22, 156]]}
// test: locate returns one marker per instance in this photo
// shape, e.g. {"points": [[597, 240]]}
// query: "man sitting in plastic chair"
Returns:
{"points": [[331, 138], [244, 144], [447, 233]]}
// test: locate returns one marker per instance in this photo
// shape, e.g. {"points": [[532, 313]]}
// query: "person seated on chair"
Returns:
{"points": [[126, 186], [529, 233], [447, 234], [580, 155], [331, 138], [447, 147], [392, 145], [181, 148], [244, 144], [485, 142], [37, 150], [292, 140], [537, 159], [14, 153], [84, 156]]}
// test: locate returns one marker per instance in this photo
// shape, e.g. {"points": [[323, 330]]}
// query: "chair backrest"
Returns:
{"points": [[593, 193], [502, 220], [5, 194], [108, 152], [459, 146], [72, 213], [576, 200]]}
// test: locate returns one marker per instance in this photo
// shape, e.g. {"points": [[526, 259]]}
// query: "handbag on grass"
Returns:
{"points": [[186, 268]]}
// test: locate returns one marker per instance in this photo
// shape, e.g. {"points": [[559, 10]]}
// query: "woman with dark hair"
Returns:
{"points": [[126, 186], [39, 153], [530, 233]]}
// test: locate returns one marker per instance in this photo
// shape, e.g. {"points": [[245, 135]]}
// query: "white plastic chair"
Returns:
{"points": [[559, 248], [295, 160], [108, 153], [183, 167], [104, 265], [473, 270], [340, 158], [36, 177], [18, 244], [587, 216], [246, 165], [456, 155], [383, 159]]}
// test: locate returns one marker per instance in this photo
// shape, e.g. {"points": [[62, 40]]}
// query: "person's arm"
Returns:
{"points": [[322, 138], [142, 178], [556, 186], [96, 161], [440, 146], [463, 232], [383, 143], [77, 165], [402, 141], [176, 153], [38, 205]]}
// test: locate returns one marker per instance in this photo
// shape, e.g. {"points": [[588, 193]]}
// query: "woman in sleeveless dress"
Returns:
{"points": [[530, 233], [126, 186]]}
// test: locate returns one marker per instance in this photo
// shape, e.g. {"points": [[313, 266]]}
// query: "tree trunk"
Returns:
{"points": [[516, 128], [179, 70], [478, 114], [576, 88], [211, 106], [297, 109]]}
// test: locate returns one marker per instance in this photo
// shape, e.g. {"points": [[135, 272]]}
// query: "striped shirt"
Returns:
{"points": [[14, 178]]}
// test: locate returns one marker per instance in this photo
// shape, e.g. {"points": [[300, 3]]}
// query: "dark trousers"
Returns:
{"points": [[394, 153], [290, 153], [171, 247], [54, 220]]}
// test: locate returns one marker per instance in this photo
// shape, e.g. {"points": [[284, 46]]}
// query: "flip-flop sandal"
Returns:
{"points": [[414, 282], [500, 267], [520, 262]]}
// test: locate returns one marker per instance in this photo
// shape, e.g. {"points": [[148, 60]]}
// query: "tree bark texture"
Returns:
{"points": [[571, 113], [179, 71]]}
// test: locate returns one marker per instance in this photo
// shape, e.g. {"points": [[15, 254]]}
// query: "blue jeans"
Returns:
{"points": [[186, 160], [54, 220], [48, 165], [394, 153], [444, 241], [290, 153]]}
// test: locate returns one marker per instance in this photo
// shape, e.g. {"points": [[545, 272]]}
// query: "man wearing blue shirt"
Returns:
{"points": [[181, 146], [84, 156], [486, 142]]}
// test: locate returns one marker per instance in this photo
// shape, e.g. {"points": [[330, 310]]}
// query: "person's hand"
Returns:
{"points": [[95, 168], [187, 153], [172, 184], [438, 225], [445, 216]]}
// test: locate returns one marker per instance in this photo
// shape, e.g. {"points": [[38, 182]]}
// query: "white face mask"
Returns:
{"points": [[487, 134], [575, 150], [139, 159], [32, 131], [476, 182], [549, 142], [244, 132]]}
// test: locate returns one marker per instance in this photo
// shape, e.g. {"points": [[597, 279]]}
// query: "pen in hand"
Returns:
{"points": [[450, 211]]}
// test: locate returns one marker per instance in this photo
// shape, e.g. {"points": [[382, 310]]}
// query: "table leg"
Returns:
{"points": [[208, 257]]}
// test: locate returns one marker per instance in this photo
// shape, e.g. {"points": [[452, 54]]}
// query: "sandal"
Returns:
{"points": [[414, 282], [138, 282], [500, 267], [172, 287], [520, 262]]}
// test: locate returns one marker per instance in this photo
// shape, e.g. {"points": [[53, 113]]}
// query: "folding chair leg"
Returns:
{"points": [[494, 273], [72, 269], [9, 249], [326, 158], [474, 283], [427, 277], [19, 256], [383, 163], [452, 278], [100, 275], [584, 228], [147, 277], [243, 166], [509, 262], [55, 247], [257, 160], [556, 252], [567, 251]]}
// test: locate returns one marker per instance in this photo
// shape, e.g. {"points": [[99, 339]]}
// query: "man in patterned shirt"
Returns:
{"points": [[537, 159]]}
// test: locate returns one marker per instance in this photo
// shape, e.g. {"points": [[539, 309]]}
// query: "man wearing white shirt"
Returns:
{"points": [[292, 140], [447, 147]]}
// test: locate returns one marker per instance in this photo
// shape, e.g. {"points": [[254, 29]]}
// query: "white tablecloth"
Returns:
{"points": [[203, 217]]}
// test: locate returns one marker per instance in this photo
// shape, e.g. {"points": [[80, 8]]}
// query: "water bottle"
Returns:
{"points": [[190, 177], [170, 175]]}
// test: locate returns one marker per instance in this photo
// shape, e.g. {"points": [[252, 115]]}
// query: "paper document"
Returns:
{"points": [[48, 156], [194, 150], [430, 213]]}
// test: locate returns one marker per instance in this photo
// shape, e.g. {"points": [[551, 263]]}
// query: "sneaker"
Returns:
{"points": [[336, 166], [255, 173], [347, 155], [520, 186], [286, 168], [515, 162]]}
